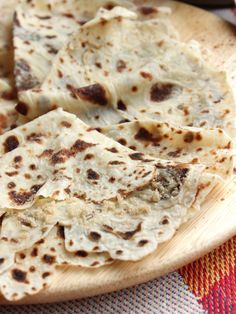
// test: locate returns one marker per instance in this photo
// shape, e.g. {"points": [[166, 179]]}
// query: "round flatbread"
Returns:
{"points": [[116, 68]]}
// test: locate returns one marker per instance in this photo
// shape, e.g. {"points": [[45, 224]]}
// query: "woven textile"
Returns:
{"points": [[205, 286]]}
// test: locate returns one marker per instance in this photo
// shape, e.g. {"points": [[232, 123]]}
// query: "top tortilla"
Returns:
{"points": [[116, 68], [8, 114], [41, 28]]}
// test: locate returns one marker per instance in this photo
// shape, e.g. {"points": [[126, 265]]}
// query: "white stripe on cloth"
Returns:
{"points": [[227, 14]]}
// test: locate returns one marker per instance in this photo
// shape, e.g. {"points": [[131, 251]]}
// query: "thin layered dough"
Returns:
{"points": [[34, 268], [136, 225], [32, 104], [41, 28], [6, 49], [117, 68], [118, 205], [8, 114], [64, 163], [32, 271], [211, 147], [21, 230]]}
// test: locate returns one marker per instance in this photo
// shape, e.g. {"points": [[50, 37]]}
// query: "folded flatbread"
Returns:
{"points": [[211, 147], [60, 161], [34, 268], [41, 28], [6, 47], [113, 202], [8, 114], [117, 68], [31, 272]]}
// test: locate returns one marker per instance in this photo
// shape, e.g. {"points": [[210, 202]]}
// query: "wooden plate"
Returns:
{"points": [[215, 224]]}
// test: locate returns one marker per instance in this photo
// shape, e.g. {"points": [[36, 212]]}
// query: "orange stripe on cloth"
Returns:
{"points": [[202, 274]]}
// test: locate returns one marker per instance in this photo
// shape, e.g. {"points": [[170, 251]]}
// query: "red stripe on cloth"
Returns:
{"points": [[202, 275], [222, 296]]}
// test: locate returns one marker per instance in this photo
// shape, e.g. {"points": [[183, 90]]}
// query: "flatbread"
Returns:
{"points": [[18, 234], [59, 162], [21, 230], [101, 227], [116, 68], [8, 114], [160, 29], [6, 49], [68, 171], [78, 258], [151, 214], [121, 207], [41, 28], [127, 232], [136, 225], [6, 259], [23, 146], [34, 269], [210, 147]]}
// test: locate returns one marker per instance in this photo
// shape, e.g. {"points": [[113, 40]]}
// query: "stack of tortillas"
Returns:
{"points": [[113, 134]]}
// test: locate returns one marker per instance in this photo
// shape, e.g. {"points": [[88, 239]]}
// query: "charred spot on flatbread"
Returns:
{"points": [[161, 91]]}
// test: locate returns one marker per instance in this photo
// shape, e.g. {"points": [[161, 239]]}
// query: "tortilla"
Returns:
{"points": [[34, 269], [211, 147], [68, 171], [6, 259], [21, 230], [8, 114], [41, 28], [116, 68], [135, 226], [18, 234], [160, 29], [59, 162], [29, 151], [78, 258], [121, 207], [127, 235], [90, 227]]}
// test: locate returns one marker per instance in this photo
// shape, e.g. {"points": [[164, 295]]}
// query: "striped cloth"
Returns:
{"points": [[205, 286]]}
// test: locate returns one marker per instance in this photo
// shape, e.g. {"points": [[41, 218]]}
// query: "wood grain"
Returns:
{"points": [[216, 222]]}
